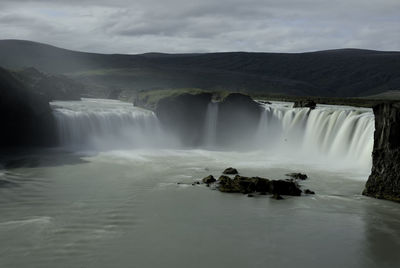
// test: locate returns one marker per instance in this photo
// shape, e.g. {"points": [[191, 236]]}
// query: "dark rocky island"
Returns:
{"points": [[252, 185]]}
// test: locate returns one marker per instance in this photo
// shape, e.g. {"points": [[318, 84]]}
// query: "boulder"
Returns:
{"points": [[230, 171], [228, 185], [305, 104], [308, 191], [283, 187], [277, 196], [297, 176], [246, 185], [384, 181], [209, 179]]}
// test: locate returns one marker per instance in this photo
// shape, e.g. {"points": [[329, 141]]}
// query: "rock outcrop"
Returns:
{"points": [[209, 179], [305, 104], [230, 171], [184, 116], [26, 117], [384, 181], [246, 185], [297, 176], [238, 119]]}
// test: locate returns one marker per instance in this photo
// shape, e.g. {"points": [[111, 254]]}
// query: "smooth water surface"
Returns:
{"points": [[125, 209]]}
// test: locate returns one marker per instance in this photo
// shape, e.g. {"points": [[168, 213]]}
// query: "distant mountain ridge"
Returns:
{"points": [[332, 73]]}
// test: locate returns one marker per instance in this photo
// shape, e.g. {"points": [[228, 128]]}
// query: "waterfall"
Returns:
{"points": [[210, 129], [106, 124], [328, 133]]}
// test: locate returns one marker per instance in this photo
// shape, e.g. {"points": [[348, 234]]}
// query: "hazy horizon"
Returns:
{"points": [[177, 53]]}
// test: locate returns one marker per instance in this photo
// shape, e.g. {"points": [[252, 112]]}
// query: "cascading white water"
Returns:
{"points": [[106, 124], [210, 130], [328, 133]]}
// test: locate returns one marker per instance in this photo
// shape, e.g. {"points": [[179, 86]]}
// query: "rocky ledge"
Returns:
{"points": [[384, 181]]}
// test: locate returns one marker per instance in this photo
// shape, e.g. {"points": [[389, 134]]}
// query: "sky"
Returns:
{"points": [[182, 26]]}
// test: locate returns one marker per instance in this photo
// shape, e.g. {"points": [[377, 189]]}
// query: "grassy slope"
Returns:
{"points": [[335, 73]]}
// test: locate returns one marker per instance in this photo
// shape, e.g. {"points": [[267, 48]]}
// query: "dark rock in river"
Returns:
{"points": [[238, 120], [308, 191], [277, 196], [209, 179], [26, 117], [230, 171], [305, 103], [284, 188], [247, 185], [297, 176], [384, 181], [184, 116]]}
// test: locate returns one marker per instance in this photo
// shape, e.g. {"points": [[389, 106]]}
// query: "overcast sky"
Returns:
{"points": [[136, 26]]}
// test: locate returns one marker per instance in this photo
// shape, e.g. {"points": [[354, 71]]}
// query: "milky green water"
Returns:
{"points": [[125, 209]]}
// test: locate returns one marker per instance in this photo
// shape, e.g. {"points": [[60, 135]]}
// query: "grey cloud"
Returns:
{"points": [[125, 26]]}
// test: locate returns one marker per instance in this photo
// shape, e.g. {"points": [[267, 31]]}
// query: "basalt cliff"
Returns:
{"points": [[384, 181]]}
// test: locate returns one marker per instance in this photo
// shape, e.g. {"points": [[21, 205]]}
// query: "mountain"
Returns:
{"points": [[331, 73]]}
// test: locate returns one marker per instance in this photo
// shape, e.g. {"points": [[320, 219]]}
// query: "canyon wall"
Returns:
{"points": [[384, 181]]}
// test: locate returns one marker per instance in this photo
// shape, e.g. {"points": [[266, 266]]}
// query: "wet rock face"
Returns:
{"points": [[184, 116], [384, 181], [238, 119]]}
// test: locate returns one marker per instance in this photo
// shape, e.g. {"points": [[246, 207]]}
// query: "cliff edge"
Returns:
{"points": [[384, 181]]}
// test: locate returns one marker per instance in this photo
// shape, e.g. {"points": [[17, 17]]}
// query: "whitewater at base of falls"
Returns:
{"points": [[329, 135]]}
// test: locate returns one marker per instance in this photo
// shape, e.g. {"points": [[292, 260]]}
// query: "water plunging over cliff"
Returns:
{"points": [[329, 134], [210, 131], [106, 124]]}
